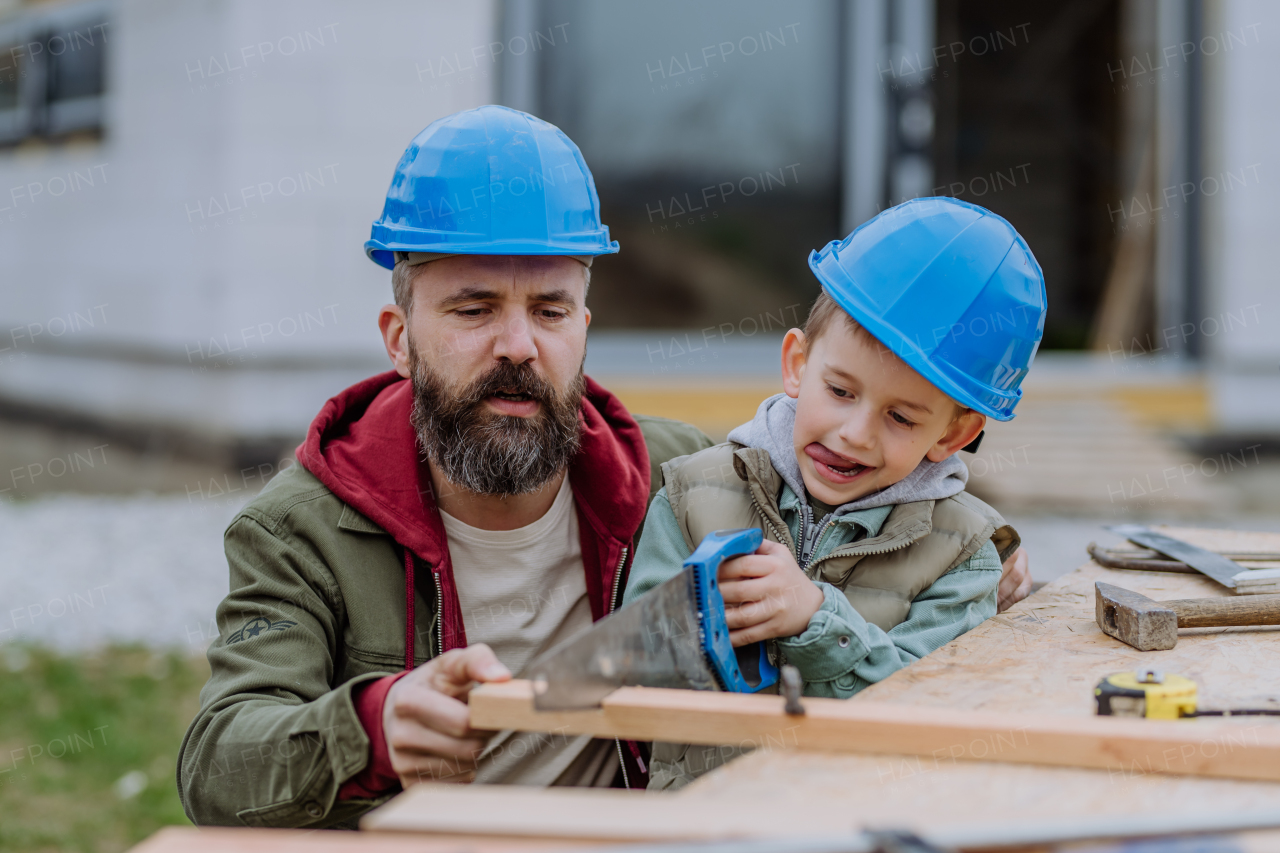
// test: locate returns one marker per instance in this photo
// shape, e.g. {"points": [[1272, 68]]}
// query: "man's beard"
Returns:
{"points": [[486, 452]]}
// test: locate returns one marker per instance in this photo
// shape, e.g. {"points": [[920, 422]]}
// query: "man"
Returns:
{"points": [[448, 519]]}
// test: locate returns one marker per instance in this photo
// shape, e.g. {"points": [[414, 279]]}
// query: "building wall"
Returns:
{"points": [[203, 264], [1242, 292]]}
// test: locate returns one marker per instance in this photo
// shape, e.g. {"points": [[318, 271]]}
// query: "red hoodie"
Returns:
{"points": [[364, 449]]}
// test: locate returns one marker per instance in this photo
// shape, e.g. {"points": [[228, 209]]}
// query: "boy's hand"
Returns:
{"points": [[1015, 580], [766, 595]]}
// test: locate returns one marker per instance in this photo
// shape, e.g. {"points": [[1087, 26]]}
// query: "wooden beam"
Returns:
{"points": [[1243, 748], [597, 815]]}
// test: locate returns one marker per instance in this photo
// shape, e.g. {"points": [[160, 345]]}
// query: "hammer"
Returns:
{"points": [[1147, 625]]}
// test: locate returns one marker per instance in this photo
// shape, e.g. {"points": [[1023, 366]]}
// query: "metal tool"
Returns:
{"points": [[792, 688], [1215, 566], [1147, 560], [1147, 625], [673, 636]]}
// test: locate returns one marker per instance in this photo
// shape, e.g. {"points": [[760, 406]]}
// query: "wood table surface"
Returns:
{"points": [[1044, 655]]}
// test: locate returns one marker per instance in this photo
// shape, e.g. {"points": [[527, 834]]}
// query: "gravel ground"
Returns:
{"points": [[79, 571]]}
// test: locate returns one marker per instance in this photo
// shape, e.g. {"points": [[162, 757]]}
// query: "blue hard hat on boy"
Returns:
{"points": [[490, 181], [952, 289]]}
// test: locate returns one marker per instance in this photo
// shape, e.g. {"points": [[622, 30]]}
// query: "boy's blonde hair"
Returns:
{"points": [[825, 310]]}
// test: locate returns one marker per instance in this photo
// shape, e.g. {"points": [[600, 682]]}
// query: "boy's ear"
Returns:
{"points": [[794, 358], [959, 433]]}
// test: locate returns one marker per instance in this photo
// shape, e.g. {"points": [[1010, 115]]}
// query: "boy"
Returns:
{"points": [[874, 555]]}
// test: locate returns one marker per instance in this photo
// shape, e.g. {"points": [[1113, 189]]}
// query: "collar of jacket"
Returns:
{"points": [[870, 520], [364, 449], [904, 524]]}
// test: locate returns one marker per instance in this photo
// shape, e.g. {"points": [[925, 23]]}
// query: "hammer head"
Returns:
{"points": [[1135, 619]]}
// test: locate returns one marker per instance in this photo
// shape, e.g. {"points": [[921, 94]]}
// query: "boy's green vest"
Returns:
{"points": [[730, 485]]}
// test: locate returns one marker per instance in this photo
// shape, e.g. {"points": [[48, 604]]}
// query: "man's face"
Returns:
{"points": [[495, 351], [864, 418]]}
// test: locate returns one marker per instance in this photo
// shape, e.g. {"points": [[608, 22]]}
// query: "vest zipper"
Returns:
{"points": [[613, 605], [764, 517], [439, 614]]}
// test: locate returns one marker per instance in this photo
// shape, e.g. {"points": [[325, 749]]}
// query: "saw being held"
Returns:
{"points": [[673, 636]]}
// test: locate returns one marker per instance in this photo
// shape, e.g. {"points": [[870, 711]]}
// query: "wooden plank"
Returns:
{"points": [[590, 814], [1083, 449], [189, 839], [1235, 749]]}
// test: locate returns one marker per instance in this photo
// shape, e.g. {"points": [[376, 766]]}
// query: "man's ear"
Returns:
{"points": [[959, 433], [395, 336], [794, 359]]}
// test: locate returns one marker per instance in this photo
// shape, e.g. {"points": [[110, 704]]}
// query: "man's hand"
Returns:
{"points": [[767, 595], [1015, 581], [426, 721]]}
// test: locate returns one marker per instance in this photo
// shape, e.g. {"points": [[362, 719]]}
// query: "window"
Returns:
{"points": [[53, 73]]}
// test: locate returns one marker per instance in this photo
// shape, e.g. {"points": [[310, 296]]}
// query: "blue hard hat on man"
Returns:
{"points": [[490, 181], [952, 289]]}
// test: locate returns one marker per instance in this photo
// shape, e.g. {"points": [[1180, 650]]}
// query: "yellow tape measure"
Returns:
{"points": [[1147, 693]]}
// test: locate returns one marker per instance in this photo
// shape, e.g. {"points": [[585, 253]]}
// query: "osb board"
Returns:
{"points": [[1046, 653], [1043, 655], [888, 791]]}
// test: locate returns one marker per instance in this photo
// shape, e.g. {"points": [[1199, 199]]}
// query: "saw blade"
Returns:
{"points": [[1216, 566], [652, 642]]}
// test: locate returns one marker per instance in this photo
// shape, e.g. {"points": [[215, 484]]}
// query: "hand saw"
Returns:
{"points": [[673, 636]]}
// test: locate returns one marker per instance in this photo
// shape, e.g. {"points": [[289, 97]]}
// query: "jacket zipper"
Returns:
{"points": [[808, 547], [617, 579], [806, 561], [439, 614], [613, 605]]}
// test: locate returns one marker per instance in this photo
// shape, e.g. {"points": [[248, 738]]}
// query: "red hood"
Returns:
{"points": [[363, 448]]}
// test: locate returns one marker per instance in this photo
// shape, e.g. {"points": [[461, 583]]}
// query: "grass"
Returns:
{"points": [[88, 745]]}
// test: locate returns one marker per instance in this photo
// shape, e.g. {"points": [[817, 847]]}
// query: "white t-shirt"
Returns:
{"points": [[522, 591]]}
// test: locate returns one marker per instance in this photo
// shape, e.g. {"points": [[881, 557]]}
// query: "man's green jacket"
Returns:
{"points": [[340, 577]]}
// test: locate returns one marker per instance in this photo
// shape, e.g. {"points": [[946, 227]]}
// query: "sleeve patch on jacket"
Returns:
{"points": [[256, 626]]}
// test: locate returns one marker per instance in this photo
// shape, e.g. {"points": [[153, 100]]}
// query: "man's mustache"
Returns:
{"points": [[512, 379]]}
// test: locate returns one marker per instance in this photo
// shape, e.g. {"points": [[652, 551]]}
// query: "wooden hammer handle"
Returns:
{"points": [[1222, 612]]}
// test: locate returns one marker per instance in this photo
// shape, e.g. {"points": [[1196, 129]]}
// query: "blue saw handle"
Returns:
{"points": [[746, 669]]}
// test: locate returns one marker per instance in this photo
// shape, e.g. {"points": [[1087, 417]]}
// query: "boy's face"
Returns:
{"points": [[864, 419]]}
